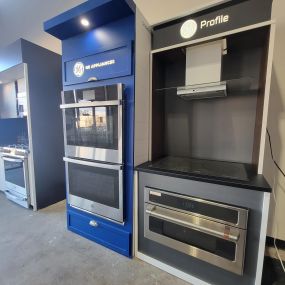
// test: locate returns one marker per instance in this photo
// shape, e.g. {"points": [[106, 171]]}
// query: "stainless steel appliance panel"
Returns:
{"points": [[96, 188], [207, 230], [93, 123], [17, 179], [220, 212], [210, 241]]}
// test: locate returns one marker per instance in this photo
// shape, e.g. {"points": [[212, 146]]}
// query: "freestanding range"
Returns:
{"points": [[202, 198], [98, 116]]}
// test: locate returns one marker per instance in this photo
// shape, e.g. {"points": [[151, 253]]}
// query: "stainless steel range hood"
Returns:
{"points": [[203, 72], [203, 91]]}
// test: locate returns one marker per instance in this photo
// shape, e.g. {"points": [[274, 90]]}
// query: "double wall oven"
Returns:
{"points": [[207, 230], [93, 135]]}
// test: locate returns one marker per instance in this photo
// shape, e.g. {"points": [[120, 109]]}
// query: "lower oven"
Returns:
{"points": [[207, 230], [17, 180], [96, 188]]}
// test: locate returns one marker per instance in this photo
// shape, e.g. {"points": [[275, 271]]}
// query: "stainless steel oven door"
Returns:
{"points": [[96, 188], [17, 180], [210, 241], [93, 126]]}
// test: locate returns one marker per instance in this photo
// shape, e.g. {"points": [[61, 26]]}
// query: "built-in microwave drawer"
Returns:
{"points": [[210, 241], [216, 211], [210, 231], [98, 231]]}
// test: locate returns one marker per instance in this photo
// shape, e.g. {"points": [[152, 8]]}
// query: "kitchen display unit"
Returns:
{"points": [[98, 46], [202, 198]]}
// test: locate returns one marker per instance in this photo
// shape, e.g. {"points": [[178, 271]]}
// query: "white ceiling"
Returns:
{"points": [[24, 18]]}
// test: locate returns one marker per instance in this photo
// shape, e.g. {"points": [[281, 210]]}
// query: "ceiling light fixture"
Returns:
{"points": [[84, 22]]}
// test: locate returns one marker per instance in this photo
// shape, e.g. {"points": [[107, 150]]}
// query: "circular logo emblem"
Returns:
{"points": [[188, 29], [78, 69]]}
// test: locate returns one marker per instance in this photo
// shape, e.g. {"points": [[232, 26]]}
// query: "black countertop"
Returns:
{"points": [[218, 172]]}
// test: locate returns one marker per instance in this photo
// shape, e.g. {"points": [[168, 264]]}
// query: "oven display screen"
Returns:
{"points": [[210, 210]]}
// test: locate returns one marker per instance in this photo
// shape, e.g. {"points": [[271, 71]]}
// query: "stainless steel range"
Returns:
{"points": [[17, 187]]}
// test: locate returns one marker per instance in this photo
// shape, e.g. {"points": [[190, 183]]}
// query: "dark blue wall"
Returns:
{"points": [[11, 131]]}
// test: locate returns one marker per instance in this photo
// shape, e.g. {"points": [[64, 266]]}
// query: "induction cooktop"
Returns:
{"points": [[204, 167]]}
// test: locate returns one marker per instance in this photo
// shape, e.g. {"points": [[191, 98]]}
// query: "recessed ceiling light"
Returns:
{"points": [[84, 22]]}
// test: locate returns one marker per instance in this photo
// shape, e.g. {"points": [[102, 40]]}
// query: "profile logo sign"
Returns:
{"points": [[78, 69], [188, 29]]}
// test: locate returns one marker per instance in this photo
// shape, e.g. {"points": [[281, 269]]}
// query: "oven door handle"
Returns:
{"points": [[14, 197], [18, 160], [165, 215], [93, 164], [91, 104]]}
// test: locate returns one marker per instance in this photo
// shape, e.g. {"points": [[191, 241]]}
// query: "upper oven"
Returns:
{"points": [[93, 123], [207, 230]]}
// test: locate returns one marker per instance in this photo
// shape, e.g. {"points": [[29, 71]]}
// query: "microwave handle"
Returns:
{"points": [[93, 164], [154, 211]]}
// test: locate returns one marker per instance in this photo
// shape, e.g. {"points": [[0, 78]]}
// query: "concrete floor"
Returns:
{"points": [[36, 249]]}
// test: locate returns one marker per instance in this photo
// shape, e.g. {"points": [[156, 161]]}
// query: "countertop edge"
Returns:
{"points": [[220, 181]]}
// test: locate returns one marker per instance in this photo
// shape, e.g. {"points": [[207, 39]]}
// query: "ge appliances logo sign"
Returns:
{"points": [[188, 29], [78, 69]]}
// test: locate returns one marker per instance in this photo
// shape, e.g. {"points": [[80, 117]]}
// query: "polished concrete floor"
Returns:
{"points": [[36, 249]]}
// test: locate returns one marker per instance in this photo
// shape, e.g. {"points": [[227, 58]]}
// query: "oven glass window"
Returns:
{"points": [[95, 184], [92, 127], [14, 173], [209, 243]]}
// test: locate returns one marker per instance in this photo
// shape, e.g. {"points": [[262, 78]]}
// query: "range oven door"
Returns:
{"points": [[204, 237], [96, 188], [93, 123], [16, 180]]}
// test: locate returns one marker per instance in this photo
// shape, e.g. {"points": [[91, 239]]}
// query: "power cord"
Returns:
{"points": [[276, 164], [274, 197]]}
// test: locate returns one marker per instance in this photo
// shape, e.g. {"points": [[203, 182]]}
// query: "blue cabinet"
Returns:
{"points": [[96, 230], [98, 56]]}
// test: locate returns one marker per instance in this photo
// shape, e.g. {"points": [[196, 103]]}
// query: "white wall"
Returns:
{"points": [[24, 19], [157, 11], [276, 125]]}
